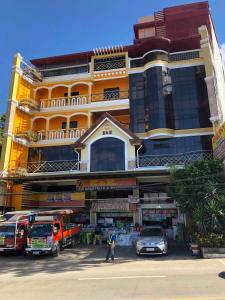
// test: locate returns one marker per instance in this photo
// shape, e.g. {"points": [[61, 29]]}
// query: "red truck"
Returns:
{"points": [[52, 231], [13, 231]]}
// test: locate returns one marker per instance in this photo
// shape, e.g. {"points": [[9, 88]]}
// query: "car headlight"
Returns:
{"points": [[161, 243], [140, 243]]}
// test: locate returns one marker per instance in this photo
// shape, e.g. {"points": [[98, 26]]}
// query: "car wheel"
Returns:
{"points": [[57, 250]]}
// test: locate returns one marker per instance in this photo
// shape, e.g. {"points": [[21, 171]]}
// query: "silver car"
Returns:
{"points": [[152, 240]]}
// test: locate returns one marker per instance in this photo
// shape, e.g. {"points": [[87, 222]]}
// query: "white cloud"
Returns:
{"points": [[222, 49]]}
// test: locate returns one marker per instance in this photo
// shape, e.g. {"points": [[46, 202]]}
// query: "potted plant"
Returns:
{"points": [[194, 246], [31, 136], [212, 245]]}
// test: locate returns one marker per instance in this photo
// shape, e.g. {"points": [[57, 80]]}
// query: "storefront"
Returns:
{"points": [[165, 215], [110, 203], [116, 212]]}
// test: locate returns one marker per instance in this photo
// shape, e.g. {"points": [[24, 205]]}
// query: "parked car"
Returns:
{"points": [[152, 240]]}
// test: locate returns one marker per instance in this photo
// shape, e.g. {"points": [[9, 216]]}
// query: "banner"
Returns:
{"points": [[107, 184], [58, 199], [115, 205], [218, 143]]}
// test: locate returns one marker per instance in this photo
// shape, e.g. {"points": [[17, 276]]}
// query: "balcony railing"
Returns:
{"points": [[169, 160], [17, 168], [109, 64], [52, 166], [64, 101], [60, 134], [110, 95]]}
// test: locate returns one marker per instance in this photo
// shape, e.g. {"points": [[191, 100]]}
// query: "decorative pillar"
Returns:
{"points": [[49, 97], [69, 95], [11, 110], [215, 111], [67, 126], [31, 124], [89, 92], [47, 129], [89, 119]]}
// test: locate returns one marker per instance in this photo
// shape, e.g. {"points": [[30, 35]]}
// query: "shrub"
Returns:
{"points": [[212, 240]]}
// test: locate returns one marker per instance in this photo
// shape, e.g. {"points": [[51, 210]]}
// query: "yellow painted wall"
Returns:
{"points": [[25, 89], [18, 154], [16, 200], [56, 123], [99, 86], [124, 119], [82, 121], [81, 88], [21, 121], [39, 124], [59, 92], [41, 94]]}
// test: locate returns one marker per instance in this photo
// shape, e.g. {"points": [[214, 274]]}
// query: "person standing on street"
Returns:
{"points": [[111, 243]]}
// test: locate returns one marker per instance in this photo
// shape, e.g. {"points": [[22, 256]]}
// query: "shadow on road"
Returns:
{"points": [[80, 258], [222, 275]]}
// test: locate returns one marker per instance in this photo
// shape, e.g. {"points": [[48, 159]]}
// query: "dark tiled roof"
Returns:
{"points": [[134, 140]]}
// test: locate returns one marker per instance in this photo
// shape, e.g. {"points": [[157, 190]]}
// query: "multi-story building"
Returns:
{"points": [[98, 131]]}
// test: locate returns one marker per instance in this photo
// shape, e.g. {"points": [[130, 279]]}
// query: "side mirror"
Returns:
{"points": [[55, 230]]}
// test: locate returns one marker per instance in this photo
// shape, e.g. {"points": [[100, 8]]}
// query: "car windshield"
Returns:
{"points": [[8, 229], [152, 232], [40, 230]]}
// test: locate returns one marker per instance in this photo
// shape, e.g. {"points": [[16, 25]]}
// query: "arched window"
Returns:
{"points": [[107, 154]]}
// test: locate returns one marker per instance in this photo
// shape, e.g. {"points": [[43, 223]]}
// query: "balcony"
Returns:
{"points": [[20, 169], [110, 95], [149, 162], [109, 66], [61, 134], [69, 102], [169, 160]]}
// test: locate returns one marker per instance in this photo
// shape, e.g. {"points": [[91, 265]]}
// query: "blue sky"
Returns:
{"points": [[53, 27]]}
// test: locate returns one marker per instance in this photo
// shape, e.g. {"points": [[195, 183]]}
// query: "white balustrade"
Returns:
{"points": [[56, 134], [40, 135], [62, 102], [60, 134]]}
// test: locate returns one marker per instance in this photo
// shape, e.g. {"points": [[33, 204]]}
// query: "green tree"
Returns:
{"points": [[199, 191], [2, 124]]}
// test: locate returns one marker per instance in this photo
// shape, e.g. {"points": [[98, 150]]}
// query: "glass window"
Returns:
{"points": [[111, 93], [176, 145], [58, 153], [107, 154], [190, 99], [73, 124]]}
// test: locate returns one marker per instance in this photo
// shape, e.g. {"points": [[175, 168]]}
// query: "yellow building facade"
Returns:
{"points": [[114, 115]]}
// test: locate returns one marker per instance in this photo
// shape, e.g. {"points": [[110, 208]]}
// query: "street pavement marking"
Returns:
{"points": [[198, 298], [121, 277]]}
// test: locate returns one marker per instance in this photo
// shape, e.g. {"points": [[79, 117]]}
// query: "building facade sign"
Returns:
{"points": [[218, 142], [58, 199], [107, 184], [113, 205]]}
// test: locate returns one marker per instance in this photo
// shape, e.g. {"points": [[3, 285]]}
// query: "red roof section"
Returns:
{"points": [[181, 23]]}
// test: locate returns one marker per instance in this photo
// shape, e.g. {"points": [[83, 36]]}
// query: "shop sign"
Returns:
{"points": [[58, 199], [107, 184], [133, 199], [112, 205], [158, 214], [218, 143]]}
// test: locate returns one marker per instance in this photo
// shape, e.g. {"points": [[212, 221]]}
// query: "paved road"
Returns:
{"points": [[81, 274]]}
